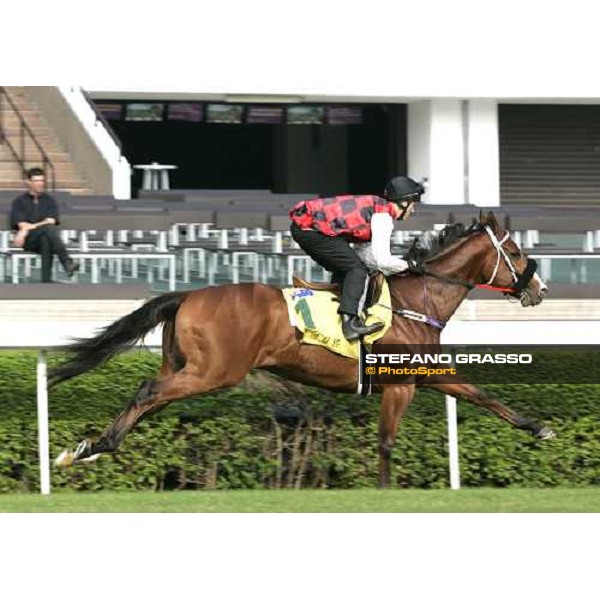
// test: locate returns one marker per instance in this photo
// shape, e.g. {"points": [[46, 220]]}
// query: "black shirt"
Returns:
{"points": [[26, 209]]}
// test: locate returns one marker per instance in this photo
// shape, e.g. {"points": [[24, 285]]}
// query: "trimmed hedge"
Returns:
{"points": [[276, 434]]}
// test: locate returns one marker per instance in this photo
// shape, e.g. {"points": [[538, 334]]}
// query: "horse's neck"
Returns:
{"points": [[446, 298], [429, 296], [434, 297]]}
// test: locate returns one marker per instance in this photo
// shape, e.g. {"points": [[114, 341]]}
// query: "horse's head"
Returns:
{"points": [[486, 254], [506, 265]]}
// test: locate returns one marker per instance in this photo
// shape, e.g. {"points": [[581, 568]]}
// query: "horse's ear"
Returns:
{"points": [[492, 222], [482, 220]]}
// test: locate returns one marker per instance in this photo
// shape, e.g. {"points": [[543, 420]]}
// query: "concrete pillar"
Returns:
{"points": [[483, 183], [436, 149]]}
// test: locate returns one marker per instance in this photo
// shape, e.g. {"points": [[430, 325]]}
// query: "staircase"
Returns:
{"points": [[67, 176]]}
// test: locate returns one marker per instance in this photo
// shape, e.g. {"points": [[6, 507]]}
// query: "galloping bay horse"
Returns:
{"points": [[214, 336]]}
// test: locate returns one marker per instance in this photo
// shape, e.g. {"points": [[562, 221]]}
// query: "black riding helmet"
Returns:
{"points": [[403, 188]]}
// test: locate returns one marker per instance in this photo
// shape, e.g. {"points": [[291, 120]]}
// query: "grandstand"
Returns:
{"points": [[544, 189]]}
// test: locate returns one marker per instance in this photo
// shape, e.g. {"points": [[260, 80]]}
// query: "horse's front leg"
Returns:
{"points": [[479, 397], [394, 402]]}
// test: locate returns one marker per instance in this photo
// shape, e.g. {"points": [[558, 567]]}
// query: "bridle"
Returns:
{"points": [[517, 290], [520, 281]]}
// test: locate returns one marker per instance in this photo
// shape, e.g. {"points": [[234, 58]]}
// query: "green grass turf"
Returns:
{"points": [[364, 500]]}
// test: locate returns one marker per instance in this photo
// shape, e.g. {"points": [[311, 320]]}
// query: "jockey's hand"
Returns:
{"points": [[415, 267], [20, 239]]}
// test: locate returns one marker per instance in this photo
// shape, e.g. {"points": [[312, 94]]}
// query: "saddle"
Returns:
{"points": [[376, 280]]}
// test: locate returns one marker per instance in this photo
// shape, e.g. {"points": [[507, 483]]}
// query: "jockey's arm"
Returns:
{"points": [[377, 255]]}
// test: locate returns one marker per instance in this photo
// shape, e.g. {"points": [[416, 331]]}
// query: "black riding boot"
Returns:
{"points": [[353, 327], [71, 266]]}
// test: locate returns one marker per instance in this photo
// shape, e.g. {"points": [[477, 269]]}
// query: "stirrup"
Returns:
{"points": [[353, 330]]}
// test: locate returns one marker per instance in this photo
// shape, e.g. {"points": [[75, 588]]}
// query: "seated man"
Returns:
{"points": [[325, 227], [34, 216]]}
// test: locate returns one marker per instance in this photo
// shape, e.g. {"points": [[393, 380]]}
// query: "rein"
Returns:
{"points": [[469, 285]]}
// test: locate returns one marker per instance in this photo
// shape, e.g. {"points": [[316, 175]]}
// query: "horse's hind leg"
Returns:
{"points": [[476, 396], [150, 397]]}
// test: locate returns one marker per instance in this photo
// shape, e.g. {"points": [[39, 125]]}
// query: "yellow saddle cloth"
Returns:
{"points": [[314, 314]]}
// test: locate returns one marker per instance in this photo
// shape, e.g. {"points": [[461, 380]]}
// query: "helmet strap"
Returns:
{"points": [[409, 200]]}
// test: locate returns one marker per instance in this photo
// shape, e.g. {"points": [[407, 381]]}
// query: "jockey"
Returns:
{"points": [[324, 228]]}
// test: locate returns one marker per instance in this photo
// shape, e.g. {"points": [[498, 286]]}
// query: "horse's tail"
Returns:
{"points": [[89, 353]]}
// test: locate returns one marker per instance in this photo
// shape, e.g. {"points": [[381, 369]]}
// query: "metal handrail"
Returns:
{"points": [[20, 157], [100, 117]]}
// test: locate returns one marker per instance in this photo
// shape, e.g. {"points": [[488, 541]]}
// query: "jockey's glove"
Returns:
{"points": [[415, 267]]}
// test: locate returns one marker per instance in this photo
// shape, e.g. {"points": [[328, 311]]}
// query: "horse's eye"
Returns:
{"points": [[516, 254]]}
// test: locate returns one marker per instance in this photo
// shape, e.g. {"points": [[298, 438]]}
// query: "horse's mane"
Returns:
{"points": [[430, 244]]}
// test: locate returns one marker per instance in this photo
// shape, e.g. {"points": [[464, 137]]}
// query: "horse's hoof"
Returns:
{"points": [[545, 433], [68, 458], [65, 459]]}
